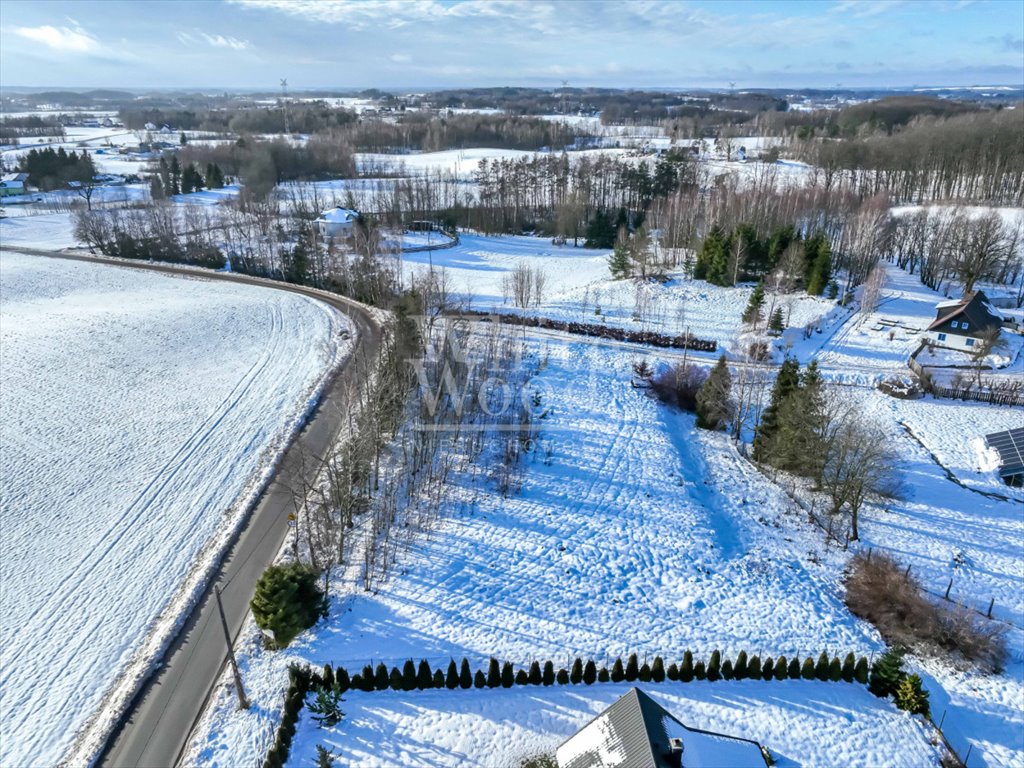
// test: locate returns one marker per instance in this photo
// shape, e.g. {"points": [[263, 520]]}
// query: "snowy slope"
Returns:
{"points": [[139, 415]]}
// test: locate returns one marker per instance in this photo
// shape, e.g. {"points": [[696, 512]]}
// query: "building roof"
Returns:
{"points": [[14, 177], [975, 306], [339, 215], [637, 732], [1010, 445]]}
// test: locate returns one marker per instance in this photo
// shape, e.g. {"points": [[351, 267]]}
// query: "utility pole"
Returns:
{"points": [[243, 700], [284, 102]]}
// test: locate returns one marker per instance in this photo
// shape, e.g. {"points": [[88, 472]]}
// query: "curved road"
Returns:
{"points": [[155, 730]]}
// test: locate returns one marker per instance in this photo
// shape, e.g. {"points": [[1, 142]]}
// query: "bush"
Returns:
{"points": [[381, 680], [821, 668], [439, 679], [409, 675], [686, 670], [396, 683], [679, 385], [479, 681], [715, 666], [507, 675], [658, 670], [424, 677], [645, 673], [576, 675], [768, 668], [326, 708], [727, 670], [700, 671], [562, 677], [522, 678], [860, 672], [549, 673], [287, 601], [493, 673], [673, 671], [451, 680], [835, 670], [879, 590], [327, 678], [794, 669], [632, 668], [911, 696], [618, 674], [781, 668], [849, 667], [603, 676], [886, 673], [807, 670], [341, 680], [535, 676], [465, 675], [754, 668], [590, 672], [740, 671]]}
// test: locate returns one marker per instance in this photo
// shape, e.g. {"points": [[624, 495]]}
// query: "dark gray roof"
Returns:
{"points": [[1010, 445]]}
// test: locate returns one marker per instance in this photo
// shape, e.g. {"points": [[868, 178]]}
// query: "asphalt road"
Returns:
{"points": [[156, 728]]}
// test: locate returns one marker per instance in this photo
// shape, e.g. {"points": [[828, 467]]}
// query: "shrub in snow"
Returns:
{"points": [[326, 708], [396, 681], [632, 668], [714, 399], [522, 678], [807, 670], [479, 681], [835, 670], [678, 385], [727, 670], [911, 696], [686, 669], [821, 667], [886, 673], [658, 670], [754, 667], [794, 669], [324, 757], [618, 674], [357, 682], [327, 678], [603, 676], [341, 680], [549, 673], [287, 600], [424, 677], [860, 672], [768, 669], [590, 672], [740, 671], [409, 675], [493, 673], [673, 671], [508, 677], [576, 675], [381, 680], [535, 676], [439, 680], [715, 666], [451, 680], [562, 677], [645, 673], [465, 676], [849, 667], [781, 668], [700, 671]]}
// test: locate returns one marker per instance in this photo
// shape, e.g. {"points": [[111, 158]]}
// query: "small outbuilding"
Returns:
{"points": [[13, 184], [963, 323], [337, 222], [637, 732]]}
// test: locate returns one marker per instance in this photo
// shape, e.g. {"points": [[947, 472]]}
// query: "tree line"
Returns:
{"points": [[50, 169]]}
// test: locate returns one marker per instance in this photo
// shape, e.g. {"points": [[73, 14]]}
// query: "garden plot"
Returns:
{"points": [[140, 415]]}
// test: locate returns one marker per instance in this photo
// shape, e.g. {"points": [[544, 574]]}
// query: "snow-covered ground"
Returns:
{"points": [[139, 416], [50, 231]]}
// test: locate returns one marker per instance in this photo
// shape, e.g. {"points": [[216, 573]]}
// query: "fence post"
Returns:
{"points": [[991, 605], [968, 755], [942, 719], [906, 574], [948, 587]]}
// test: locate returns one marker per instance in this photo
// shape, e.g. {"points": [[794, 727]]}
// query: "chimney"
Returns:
{"points": [[675, 752]]}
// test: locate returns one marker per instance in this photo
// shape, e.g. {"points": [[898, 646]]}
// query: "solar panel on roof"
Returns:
{"points": [[1010, 445]]}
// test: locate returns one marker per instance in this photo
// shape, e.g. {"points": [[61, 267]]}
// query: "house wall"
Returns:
{"points": [[952, 340]]}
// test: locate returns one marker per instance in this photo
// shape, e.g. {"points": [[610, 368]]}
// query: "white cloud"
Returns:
{"points": [[63, 39], [217, 41], [865, 8], [401, 58]]}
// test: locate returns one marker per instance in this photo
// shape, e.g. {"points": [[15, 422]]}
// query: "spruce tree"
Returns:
{"points": [[576, 672], [715, 666], [714, 398], [686, 668], [381, 679], [341, 680], [752, 314], [451, 680], [618, 674], [522, 678], [777, 323], [493, 673], [754, 667], [439, 681], [479, 681], [740, 670], [465, 675], [673, 671], [603, 676], [549, 673], [835, 670], [618, 262], [807, 670], [786, 382], [395, 680], [886, 673], [507, 675], [849, 667], [727, 670], [645, 673], [590, 672], [563, 676], [327, 679], [700, 671], [368, 678], [794, 668], [860, 672], [424, 677], [768, 668], [535, 676], [781, 668], [821, 667], [632, 668], [658, 670], [409, 675], [911, 696]]}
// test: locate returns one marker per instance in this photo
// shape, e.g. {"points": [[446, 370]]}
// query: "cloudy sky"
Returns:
{"points": [[438, 43]]}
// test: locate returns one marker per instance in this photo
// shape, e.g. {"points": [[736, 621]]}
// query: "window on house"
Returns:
{"points": [[970, 342], [955, 324], [942, 337], [963, 325]]}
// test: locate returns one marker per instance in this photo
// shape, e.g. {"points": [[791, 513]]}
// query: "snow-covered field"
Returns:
{"points": [[139, 416], [50, 231]]}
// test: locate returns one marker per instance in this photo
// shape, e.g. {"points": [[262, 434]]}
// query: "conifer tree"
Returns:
{"points": [[835, 670], [368, 678], [821, 668], [886, 673], [438, 681], [493, 673], [618, 674], [849, 667], [752, 314], [632, 668], [451, 680], [327, 679], [395, 680], [786, 382], [781, 668], [740, 670], [673, 671], [507, 675], [860, 672], [911, 696], [700, 670], [603, 676], [658, 670], [479, 681], [424, 677], [768, 668], [156, 188], [727, 671], [576, 672], [465, 675], [714, 398], [549, 673], [777, 323], [535, 676], [341, 680], [409, 675], [562, 677], [794, 668], [807, 670], [714, 670], [590, 672], [618, 262], [820, 271], [522, 678], [686, 668], [754, 667], [645, 673], [381, 680]]}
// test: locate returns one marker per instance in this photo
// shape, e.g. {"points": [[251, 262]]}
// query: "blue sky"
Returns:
{"points": [[343, 44]]}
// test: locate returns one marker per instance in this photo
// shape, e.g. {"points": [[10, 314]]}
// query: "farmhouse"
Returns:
{"points": [[962, 323], [13, 184], [337, 222], [636, 732]]}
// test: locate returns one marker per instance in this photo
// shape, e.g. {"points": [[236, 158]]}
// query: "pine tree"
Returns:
{"points": [[658, 670], [549, 673], [618, 262], [715, 666], [603, 676], [183, 139], [714, 403], [754, 667], [794, 668], [493, 673], [424, 677], [535, 676], [686, 668], [752, 314], [886, 673], [175, 177], [156, 188], [860, 672], [438, 681], [632, 668], [465, 675], [522, 678], [700, 670], [820, 271], [327, 679], [507, 675], [821, 668], [768, 668], [807, 670], [341, 680], [562, 677], [381, 680], [618, 674], [833, 290], [576, 672], [727, 671], [600, 231], [781, 668], [786, 382], [395, 681], [740, 671], [835, 670], [479, 681], [451, 680], [369, 678], [777, 323], [409, 675], [849, 665], [645, 673], [673, 671], [911, 696], [590, 672]]}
